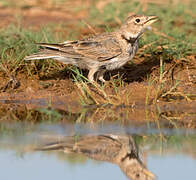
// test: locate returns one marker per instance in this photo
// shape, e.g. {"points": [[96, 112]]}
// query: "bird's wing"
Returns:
{"points": [[99, 49], [101, 147]]}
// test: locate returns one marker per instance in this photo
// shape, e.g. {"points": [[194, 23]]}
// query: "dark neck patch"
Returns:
{"points": [[130, 155], [130, 40]]}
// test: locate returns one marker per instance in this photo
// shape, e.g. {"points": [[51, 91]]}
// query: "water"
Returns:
{"points": [[43, 166], [167, 154]]}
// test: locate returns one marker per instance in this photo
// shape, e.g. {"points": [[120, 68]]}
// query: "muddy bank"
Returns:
{"points": [[47, 105]]}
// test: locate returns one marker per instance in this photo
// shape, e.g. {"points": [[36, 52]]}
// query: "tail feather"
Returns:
{"points": [[39, 56], [51, 46], [67, 147], [43, 54], [57, 52], [51, 146], [51, 51]]}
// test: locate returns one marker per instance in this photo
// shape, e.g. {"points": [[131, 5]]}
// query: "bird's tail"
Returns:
{"points": [[64, 145], [49, 51], [39, 56], [51, 146]]}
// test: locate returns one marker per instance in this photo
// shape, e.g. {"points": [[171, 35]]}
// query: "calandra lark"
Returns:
{"points": [[118, 149], [107, 51]]}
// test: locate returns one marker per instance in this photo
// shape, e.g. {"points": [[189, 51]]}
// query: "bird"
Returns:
{"points": [[114, 148], [99, 53]]}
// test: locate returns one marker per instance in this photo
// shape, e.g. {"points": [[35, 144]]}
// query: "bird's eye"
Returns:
{"points": [[137, 20]]}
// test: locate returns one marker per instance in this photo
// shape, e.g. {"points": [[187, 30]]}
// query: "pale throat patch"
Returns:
{"points": [[132, 36]]}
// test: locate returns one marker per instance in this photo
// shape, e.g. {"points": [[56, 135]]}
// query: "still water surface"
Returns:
{"points": [[167, 155]]}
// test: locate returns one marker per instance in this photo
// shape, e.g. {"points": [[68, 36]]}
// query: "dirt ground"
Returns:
{"points": [[58, 91]]}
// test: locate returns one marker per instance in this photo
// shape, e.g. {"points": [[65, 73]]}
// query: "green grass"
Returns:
{"points": [[17, 42], [183, 35], [179, 41], [176, 41]]}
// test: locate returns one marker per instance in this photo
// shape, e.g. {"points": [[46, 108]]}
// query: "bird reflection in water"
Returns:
{"points": [[118, 149]]}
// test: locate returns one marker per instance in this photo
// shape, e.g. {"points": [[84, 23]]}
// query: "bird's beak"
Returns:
{"points": [[149, 174], [150, 20]]}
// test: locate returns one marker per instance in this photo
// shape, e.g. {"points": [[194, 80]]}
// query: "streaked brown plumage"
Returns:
{"points": [[102, 52], [118, 149]]}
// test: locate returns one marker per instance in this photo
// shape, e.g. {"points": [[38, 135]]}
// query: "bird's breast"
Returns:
{"points": [[121, 60], [116, 62]]}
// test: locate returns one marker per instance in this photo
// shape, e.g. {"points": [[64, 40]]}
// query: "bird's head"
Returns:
{"points": [[135, 25], [135, 170]]}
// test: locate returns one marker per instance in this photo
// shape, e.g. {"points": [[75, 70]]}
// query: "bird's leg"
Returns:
{"points": [[91, 74], [100, 75]]}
